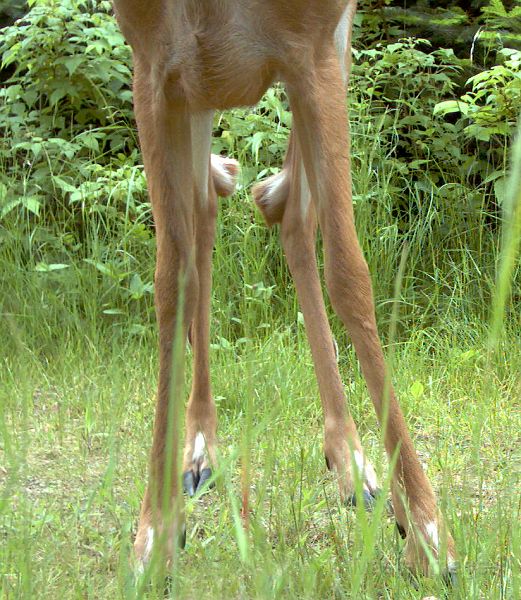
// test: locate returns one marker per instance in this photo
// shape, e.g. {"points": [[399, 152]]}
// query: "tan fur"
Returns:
{"points": [[192, 56]]}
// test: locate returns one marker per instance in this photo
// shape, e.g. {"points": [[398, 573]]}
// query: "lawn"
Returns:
{"points": [[76, 426]]}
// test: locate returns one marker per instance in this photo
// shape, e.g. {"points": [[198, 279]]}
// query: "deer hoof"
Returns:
{"points": [[194, 482], [450, 577], [368, 497], [401, 530]]}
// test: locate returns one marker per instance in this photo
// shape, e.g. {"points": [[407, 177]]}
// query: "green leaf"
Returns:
{"points": [[136, 286], [32, 204], [500, 189], [104, 269], [73, 62], [416, 390], [42, 267], [9, 207], [450, 106], [56, 96], [63, 185], [90, 141]]}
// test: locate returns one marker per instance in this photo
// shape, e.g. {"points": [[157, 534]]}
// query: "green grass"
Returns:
{"points": [[78, 379], [77, 401], [75, 435]]}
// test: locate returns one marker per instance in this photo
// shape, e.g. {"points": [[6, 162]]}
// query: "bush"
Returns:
{"points": [[67, 101], [405, 88], [74, 215]]}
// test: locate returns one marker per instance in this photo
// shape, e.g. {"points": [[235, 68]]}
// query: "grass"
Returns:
{"points": [[76, 409], [76, 431], [78, 377]]}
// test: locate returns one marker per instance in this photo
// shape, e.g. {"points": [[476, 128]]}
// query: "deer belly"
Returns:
{"points": [[224, 83]]}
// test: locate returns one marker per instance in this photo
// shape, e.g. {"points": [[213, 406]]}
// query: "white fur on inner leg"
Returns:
{"points": [[305, 193], [337, 351], [366, 471], [432, 531], [149, 544], [219, 169], [201, 127], [198, 454], [342, 38]]}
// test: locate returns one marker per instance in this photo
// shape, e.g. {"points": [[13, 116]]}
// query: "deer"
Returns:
{"points": [[192, 58]]}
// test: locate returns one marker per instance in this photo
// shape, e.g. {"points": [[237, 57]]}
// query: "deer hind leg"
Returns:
{"points": [[320, 118], [271, 195], [342, 446], [212, 174], [164, 130]]}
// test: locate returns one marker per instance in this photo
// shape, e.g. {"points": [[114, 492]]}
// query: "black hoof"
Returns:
{"points": [[190, 481], [368, 497], [450, 577], [182, 538], [205, 476], [196, 482], [401, 530]]}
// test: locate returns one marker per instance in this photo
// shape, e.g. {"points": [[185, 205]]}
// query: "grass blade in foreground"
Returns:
{"points": [[510, 242]]}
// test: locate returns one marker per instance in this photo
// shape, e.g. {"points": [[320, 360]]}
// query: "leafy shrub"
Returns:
{"points": [[489, 111], [493, 104], [74, 215], [394, 91], [69, 97], [401, 84]]}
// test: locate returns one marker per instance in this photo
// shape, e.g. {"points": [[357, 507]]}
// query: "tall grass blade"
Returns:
{"points": [[511, 240]]}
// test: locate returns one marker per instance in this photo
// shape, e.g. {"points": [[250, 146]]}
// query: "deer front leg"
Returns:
{"points": [[211, 173], [320, 118], [164, 131]]}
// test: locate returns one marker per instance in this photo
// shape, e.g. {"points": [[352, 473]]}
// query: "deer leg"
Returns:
{"points": [[318, 101], [164, 131], [342, 445], [210, 172]]}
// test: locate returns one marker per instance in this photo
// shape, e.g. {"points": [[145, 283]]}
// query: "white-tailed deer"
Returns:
{"points": [[192, 57]]}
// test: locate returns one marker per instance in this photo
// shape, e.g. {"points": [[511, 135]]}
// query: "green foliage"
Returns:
{"points": [[474, 29], [489, 111], [76, 288], [401, 84], [68, 155], [69, 97], [74, 215], [493, 104], [500, 20], [76, 428], [406, 88]]}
